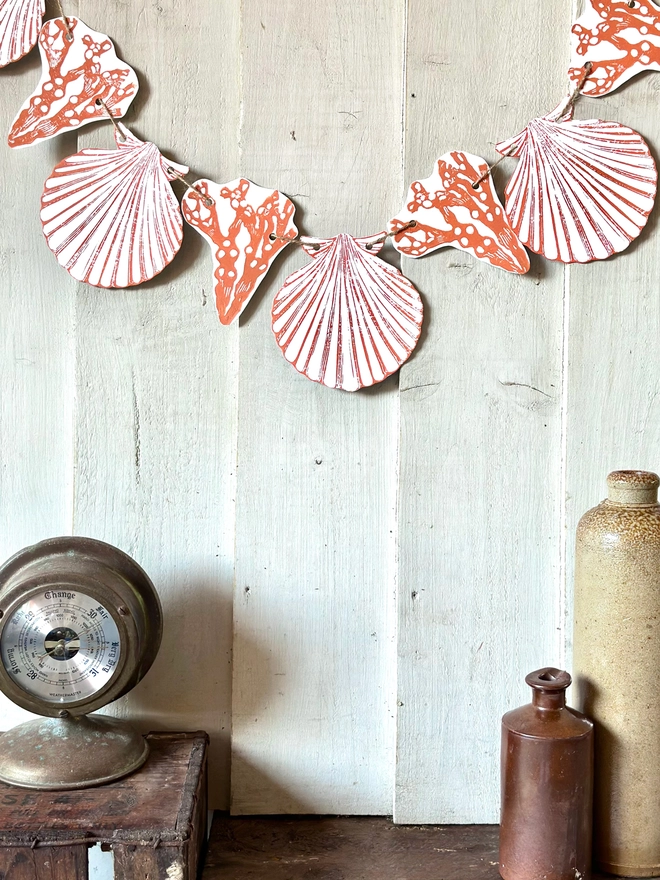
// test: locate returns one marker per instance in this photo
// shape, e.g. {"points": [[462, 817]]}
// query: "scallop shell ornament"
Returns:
{"points": [[20, 21], [448, 210], [583, 190], [110, 216], [80, 74], [347, 320], [246, 226], [620, 38]]}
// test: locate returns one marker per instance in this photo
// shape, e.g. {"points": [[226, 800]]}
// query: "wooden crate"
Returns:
{"points": [[154, 820]]}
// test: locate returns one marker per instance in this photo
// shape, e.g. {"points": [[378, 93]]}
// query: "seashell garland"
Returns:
{"points": [[347, 320], [77, 75], [110, 216], [238, 225], [448, 211], [583, 190], [620, 38], [20, 21]]}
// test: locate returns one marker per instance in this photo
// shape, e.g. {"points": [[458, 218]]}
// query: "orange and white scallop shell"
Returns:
{"points": [[247, 227], [110, 216], [583, 190], [20, 21], [79, 76], [450, 209], [348, 319]]}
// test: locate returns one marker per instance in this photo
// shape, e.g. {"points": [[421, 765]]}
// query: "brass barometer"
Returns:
{"points": [[80, 625]]}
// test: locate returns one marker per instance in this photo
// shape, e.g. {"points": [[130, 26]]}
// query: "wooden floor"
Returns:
{"points": [[353, 848], [323, 848]]}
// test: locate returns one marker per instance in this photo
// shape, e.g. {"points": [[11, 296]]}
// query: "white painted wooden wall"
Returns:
{"points": [[384, 567]]}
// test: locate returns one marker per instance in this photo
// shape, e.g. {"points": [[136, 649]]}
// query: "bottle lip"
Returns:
{"points": [[644, 480], [548, 680]]}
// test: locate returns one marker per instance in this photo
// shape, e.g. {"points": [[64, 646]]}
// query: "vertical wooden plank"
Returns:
{"points": [[613, 373], [37, 352], [478, 588], [155, 432], [312, 699]]}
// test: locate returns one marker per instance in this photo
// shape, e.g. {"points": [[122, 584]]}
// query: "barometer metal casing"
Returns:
{"points": [[80, 625]]}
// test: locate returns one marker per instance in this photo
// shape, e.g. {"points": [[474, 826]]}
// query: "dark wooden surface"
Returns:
{"points": [[154, 820], [158, 798], [349, 848]]}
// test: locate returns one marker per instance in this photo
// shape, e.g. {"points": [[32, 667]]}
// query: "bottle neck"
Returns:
{"points": [[632, 496], [549, 699]]}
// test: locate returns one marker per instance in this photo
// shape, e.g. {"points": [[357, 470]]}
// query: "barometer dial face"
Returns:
{"points": [[61, 646]]}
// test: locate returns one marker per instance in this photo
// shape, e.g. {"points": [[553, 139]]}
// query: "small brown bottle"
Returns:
{"points": [[547, 785]]}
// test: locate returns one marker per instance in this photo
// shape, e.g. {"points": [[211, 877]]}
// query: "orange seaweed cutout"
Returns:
{"points": [[619, 40], [238, 226], [449, 211], [77, 75]]}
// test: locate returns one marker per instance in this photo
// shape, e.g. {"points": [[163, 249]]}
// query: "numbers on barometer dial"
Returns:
{"points": [[61, 646]]}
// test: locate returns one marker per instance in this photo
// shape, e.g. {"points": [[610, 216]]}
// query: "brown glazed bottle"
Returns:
{"points": [[547, 785], [617, 668]]}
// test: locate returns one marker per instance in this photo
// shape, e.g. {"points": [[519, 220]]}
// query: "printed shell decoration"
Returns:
{"points": [[110, 216], [449, 210], [583, 190], [620, 38], [244, 224], [348, 319], [20, 21], [79, 76]]}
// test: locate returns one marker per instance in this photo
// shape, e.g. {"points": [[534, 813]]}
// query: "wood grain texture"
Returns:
{"points": [[312, 698], [480, 460], [154, 820], [613, 375], [155, 381], [57, 863], [364, 848], [37, 351]]}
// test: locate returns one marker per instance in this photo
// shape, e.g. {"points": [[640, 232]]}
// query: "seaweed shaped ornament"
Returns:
{"points": [[348, 319], [110, 216], [457, 206], [20, 21], [82, 80], [620, 38], [246, 226], [583, 190]]}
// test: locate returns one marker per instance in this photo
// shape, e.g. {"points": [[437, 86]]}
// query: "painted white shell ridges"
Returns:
{"points": [[348, 319], [583, 190], [110, 216], [20, 21]]}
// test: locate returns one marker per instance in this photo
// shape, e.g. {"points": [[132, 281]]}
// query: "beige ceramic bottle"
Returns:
{"points": [[617, 668]]}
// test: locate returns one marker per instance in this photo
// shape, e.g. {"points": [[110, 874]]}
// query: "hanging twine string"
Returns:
{"points": [[570, 100], [294, 239], [208, 201], [101, 103], [575, 94], [69, 35], [482, 177]]}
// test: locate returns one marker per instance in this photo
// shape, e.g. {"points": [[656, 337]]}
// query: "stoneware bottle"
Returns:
{"points": [[617, 668], [547, 785]]}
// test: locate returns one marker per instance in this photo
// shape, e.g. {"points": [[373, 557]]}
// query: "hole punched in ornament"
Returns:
{"points": [[69, 35], [120, 134], [208, 201]]}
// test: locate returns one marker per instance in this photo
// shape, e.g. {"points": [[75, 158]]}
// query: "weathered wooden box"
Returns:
{"points": [[154, 821]]}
